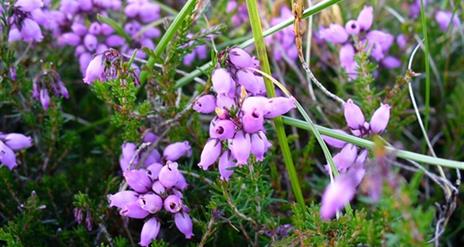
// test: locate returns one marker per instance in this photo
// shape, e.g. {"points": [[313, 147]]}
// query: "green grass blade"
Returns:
{"points": [[427, 64]]}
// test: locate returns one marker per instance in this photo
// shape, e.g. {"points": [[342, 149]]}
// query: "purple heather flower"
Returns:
{"points": [[346, 157], [150, 137], [222, 129], [253, 121], [14, 35], [44, 98], [337, 195], [256, 103], [151, 203], [334, 33], [122, 198], [153, 157], [158, 188], [259, 145], [240, 58], [176, 150], [379, 119], [184, 224], [210, 153], [94, 70], [149, 232], [133, 210], [153, 170], [95, 28], [30, 31], [79, 29], [90, 42], [401, 41], [173, 204], [29, 5], [240, 146], [115, 40], [225, 102], [181, 182], [69, 39], [138, 180], [252, 82], [353, 115], [445, 18], [365, 18], [128, 151], [391, 62], [205, 104], [334, 142], [278, 106], [352, 27], [17, 141], [7, 156], [169, 174], [226, 166], [222, 82]]}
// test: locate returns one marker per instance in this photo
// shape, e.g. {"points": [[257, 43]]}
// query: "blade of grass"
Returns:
{"points": [[255, 22], [307, 13], [370, 145], [427, 64]]}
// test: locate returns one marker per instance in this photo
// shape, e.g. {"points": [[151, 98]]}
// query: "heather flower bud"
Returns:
{"points": [[138, 180], [149, 231], [365, 18], [151, 203], [240, 58], [122, 198], [347, 60], [226, 166], [149, 12], [259, 145], [253, 122], [128, 152], [334, 142], [69, 39], [379, 119], [7, 156], [173, 204], [222, 81], [205, 104], [181, 183], [153, 170], [78, 29], [84, 60], [240, 146], [224, 101], [28, 5], [391, 62], [210, 153], [334, 33], [222, 129], [252, 82], [115, 40], [150, 137], [176, 150], [44, 98], [95, 28], [352, 27], [169, 174], [353, 115], [133, 210], [346, 157], [132, 10], [153, 157], [337, 195], [158, 188], [278, 106], [256, 103], [90, 42], [184, 224], [14, 35], [30, 31], [94, 70], [17, 141], [445, 18]]}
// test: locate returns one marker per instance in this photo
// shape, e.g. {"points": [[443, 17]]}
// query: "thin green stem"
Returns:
{"points": [[256, 28], [370, 145], [427, 64], [307, 13]]}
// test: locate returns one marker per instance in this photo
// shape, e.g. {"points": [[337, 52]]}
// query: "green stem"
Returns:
{"points": [[427, 64], [307, 13], [256, 28], [370, 145], [167, 37]]}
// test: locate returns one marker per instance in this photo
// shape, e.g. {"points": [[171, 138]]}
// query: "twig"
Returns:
{"points": [[209, 231]]}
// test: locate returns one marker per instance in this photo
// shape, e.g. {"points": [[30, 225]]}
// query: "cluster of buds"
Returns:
{"points": [[237, 130], [283, 42], [155, 184], [239, 11], [362, 38], [107, 66], [46, 82], [9, 144], [199, 52], [350, 160], [25, 21], [447, 18]]}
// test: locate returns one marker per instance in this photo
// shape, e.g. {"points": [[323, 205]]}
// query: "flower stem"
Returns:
{"points": [[427, 64], [256, 28]]}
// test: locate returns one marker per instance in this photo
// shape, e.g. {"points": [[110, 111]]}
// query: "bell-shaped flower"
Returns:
{"points": [[71, 39], [334, 33], [122, 198], [391, 62], [222, 81], [184, 224], [240, 146], [138, 180], [352, 27], [253, 121], [90, 42], [226, 166], [158, 188], [7, 156], [169, 174], [278, 106], [353, 115], [221, 129], [255, 103], [240, 58], [29, 5], [334, 142], [153, 157], [181, 183], [44, 98], [379, 119], [445, 18], [346, 157], [149, 231], [365, 18], [173, 204], [128, 152], [205, 104], [30, 31], [176, 150], [17, 141], [210, 153], [225, 102], [133, 210], [253, 83], [94, 70], [337, 195], [151, 203], [153, 170], [150, 137], [259, 145]]}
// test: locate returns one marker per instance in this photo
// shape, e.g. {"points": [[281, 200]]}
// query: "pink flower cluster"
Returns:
{"points": [[9, 144], [283, 42], [237, 131], [350, 160], [156, 185]]}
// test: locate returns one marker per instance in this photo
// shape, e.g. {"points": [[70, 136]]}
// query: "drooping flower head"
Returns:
{"points": [[9, 144]]}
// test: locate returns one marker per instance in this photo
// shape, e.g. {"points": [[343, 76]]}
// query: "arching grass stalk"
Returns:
{"points": [[333, 172], [307, 13], [256, 28]]}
